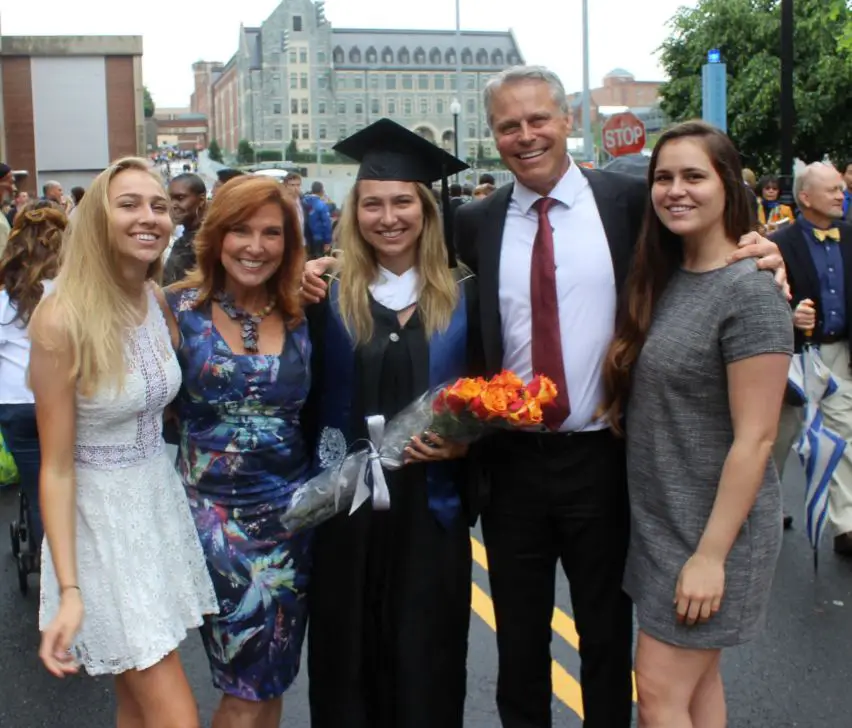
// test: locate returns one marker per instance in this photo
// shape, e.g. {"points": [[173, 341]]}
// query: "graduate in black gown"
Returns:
{"points": [[390, 590]]}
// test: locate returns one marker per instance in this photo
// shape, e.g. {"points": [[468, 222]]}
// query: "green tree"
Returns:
{"points": [[148, 103], [245, 154], [748, 34], [214, 151], [292, 151]]}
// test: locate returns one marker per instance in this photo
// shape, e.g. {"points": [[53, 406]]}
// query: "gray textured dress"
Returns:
{"points": [[678, 435]]}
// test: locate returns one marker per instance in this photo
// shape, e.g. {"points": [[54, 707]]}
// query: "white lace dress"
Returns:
{"points": [[141, 570]]}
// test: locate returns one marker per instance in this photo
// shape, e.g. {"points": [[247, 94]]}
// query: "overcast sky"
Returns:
{"points": [[623, 33]]}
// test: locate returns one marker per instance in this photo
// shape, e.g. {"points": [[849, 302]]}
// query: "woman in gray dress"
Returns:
{"points": [[699, 365]]}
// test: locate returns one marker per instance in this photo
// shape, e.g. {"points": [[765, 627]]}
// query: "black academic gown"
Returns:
{"points": [[390, 590]]}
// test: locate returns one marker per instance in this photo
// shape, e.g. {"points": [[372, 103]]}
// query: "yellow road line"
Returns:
{"points": [[561, 623], [565, 686]]}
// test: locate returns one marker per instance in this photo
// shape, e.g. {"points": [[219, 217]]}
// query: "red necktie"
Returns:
{"points": [[546, 335]]}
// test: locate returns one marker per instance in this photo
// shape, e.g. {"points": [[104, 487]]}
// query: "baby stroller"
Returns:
{"points": [[25, 550]]}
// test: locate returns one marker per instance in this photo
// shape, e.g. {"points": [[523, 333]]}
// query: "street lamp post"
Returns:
{"points": [[788, 106], [455, 109], [587, 112]]}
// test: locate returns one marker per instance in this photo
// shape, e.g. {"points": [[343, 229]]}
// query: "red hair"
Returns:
{"points": [[235, 203]]}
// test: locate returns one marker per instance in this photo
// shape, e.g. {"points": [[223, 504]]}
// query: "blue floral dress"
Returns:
{"points": [[241, 456]]}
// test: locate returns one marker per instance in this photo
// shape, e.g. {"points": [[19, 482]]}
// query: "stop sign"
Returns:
{"points": [[623, 134]]}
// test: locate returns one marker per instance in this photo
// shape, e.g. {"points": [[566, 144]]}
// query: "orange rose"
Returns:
{"points": [[495, 400], [507, 379], [466, 389], [477, 408], [542, 389]]}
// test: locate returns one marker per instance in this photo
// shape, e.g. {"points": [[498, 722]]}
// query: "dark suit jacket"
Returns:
{"points": [[478, 235], [802, 273]]}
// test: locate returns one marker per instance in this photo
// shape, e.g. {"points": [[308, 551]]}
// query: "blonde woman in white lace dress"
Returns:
{"points": [[123, 574]]}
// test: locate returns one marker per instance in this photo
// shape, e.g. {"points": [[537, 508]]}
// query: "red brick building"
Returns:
{"points": [[69, 105], [620, 88]]}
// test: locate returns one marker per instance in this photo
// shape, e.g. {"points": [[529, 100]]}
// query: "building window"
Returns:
{"points": [[306, 131], [420, 56], [359, 107], [374, 81], [439, 106], [513, 59], [454, 82], [295, 131], [374, 106], [467, 57], [407, 81], [486, 132], [404, 56], [439, 81], [303, 80], [303, 55], [278, 133], [359, 82], [355, 55], [341, 108], [450, 58], [322, 81], [294, 106], [337, 55], [372, 56], [294, 81], [470, 82], [471, 152], [305, 109], [406, 107], [341, 80], [471, 132], [341, 132], [321, 108], [482, 57], [323, 132], [391, 107], [423, 82], [276, 108], [321, 57], [297, 23], [435, 57], [471, 106], [292, 56], [390, 82], [497, 58], [387, 55], [424, 106]]}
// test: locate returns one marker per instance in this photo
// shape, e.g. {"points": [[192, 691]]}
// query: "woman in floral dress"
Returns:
{"points": [[244, 350]]}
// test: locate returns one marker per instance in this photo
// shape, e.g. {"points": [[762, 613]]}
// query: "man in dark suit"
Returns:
{"points": [[552, 252], [817, 251]]}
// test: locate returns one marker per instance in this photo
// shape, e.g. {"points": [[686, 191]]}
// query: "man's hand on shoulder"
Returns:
{"points": [[754, 245]]}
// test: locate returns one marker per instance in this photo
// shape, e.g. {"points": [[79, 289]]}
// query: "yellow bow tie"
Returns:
{"points": [[832, 233]]}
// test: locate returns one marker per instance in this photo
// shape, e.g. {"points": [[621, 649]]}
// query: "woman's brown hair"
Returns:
{"points": [[234, 204], [32, 255], [659, 253]]}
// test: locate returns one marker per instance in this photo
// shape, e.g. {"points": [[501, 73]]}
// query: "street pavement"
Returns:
{"points": [[797, 674]]}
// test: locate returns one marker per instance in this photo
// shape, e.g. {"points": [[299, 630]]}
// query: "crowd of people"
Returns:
{"points": [[652, 306]]}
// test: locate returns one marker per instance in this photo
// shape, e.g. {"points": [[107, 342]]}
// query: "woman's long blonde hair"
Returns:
{"points": [[438, 293], [95, 307]]}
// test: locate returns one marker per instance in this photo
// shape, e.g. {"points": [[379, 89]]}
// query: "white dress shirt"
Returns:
{"points": [[14, 353], [585, 289]]}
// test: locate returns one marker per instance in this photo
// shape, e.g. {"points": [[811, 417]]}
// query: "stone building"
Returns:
{"points": [[69, 105], [298, 78], [620, 89]]}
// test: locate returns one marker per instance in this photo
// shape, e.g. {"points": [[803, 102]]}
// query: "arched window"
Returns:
{"points": [[497, 58], [354, 55], [467, 57], [337, 55], [419, 56], [450, 58], [387, 55], [404, 56], [435, 57], [482, 57], [372, 56], [513, 59]]}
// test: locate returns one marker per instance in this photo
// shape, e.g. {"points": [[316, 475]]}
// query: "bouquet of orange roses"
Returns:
{"points": [[462, 411]]}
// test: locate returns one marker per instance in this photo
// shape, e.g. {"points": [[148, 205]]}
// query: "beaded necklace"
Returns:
{"points": [[249, 322]]}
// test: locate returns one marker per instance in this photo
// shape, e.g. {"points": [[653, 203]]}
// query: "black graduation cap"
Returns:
{"points": [[388, 151]]}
